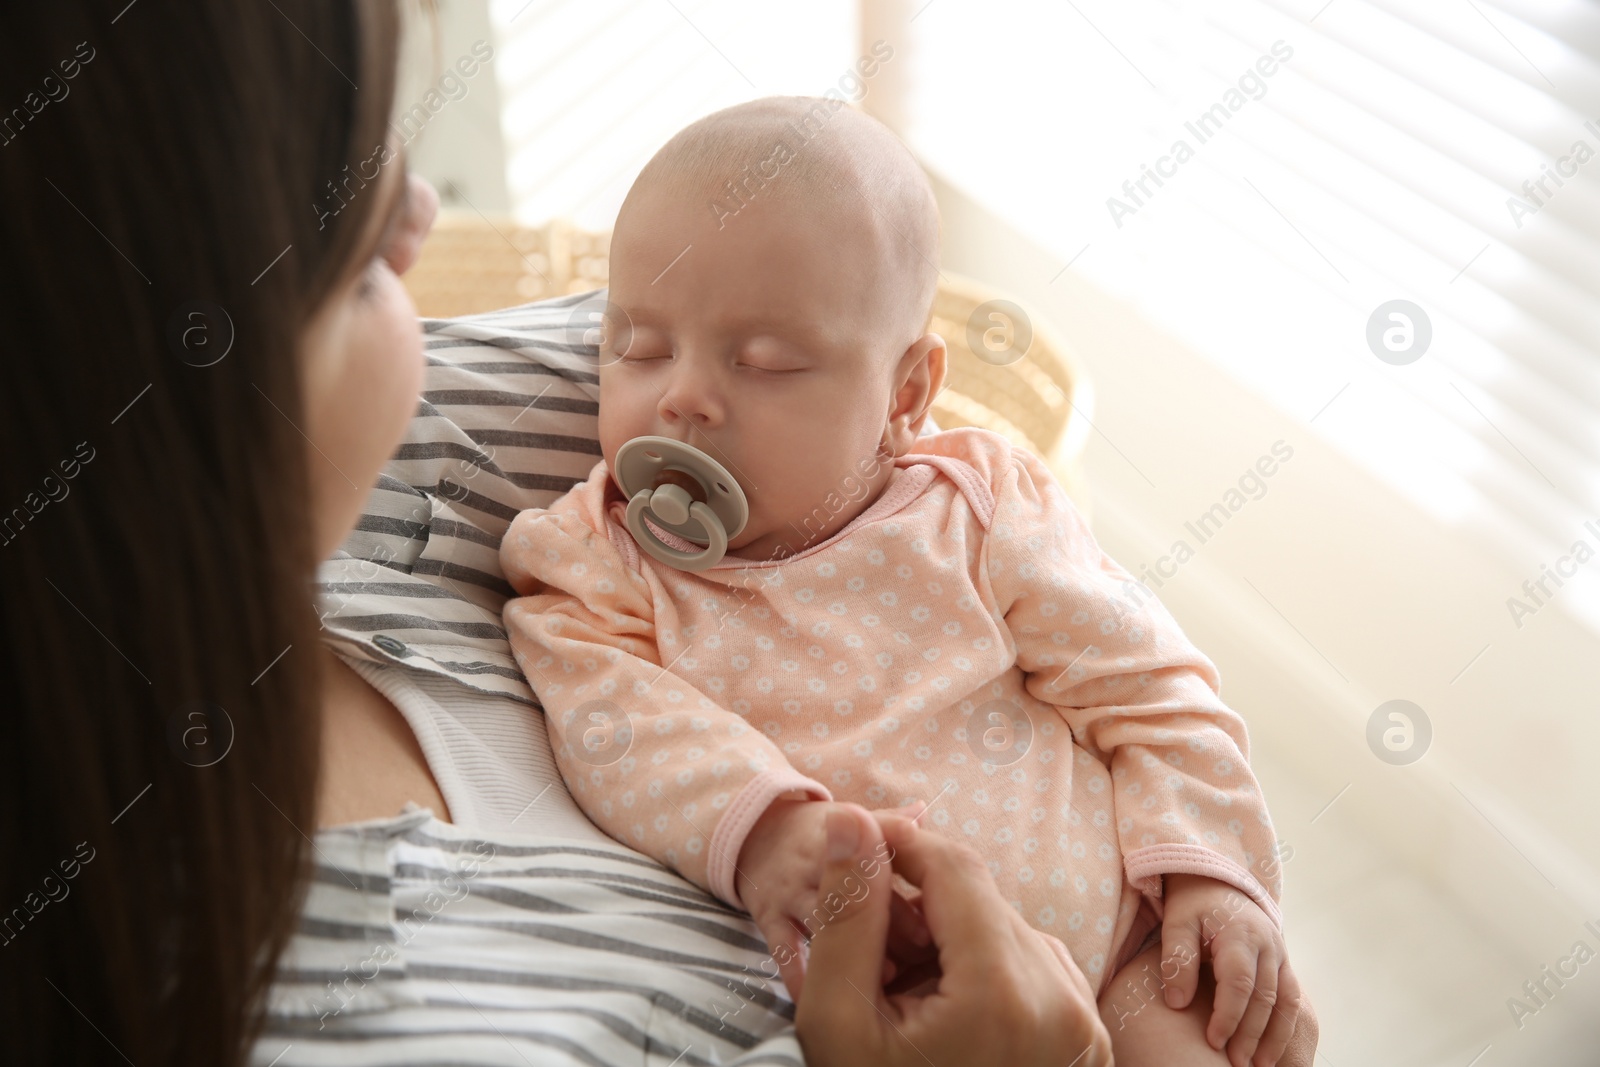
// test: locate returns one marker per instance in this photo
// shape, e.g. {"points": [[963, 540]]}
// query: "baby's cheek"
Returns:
{"points": [[781, 502], [614, 422]]}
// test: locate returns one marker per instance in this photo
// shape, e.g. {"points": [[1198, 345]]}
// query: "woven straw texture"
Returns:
{"points": [[1036, 397]]}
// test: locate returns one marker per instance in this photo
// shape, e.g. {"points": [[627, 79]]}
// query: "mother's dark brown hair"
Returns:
{"points": [[155, 537]]}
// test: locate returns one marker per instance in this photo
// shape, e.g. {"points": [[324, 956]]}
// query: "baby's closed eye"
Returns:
{"points": [[773, 355]]}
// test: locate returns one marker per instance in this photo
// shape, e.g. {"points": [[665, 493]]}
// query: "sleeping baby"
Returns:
{"points": [[898, 617]]}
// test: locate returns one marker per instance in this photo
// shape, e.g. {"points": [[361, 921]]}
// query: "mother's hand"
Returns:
{"points": [[1006, 994]]}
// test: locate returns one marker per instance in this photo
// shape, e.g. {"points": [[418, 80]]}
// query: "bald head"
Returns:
{"points": [[816, 155]]}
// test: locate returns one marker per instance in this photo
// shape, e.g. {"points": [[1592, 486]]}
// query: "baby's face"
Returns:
{"points": [[760, 343]]}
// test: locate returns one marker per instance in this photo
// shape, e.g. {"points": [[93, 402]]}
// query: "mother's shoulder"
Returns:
{"points": [[508, 419]]}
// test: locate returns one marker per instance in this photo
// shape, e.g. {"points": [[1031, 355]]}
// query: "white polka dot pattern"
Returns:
{"points": [[968, 609]]}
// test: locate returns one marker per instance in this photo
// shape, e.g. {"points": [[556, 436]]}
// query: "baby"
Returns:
{"points": [[902, 618]]}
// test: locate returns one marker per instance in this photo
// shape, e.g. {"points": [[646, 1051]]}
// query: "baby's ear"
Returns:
{"points": [[938, 358], [924, 366]]}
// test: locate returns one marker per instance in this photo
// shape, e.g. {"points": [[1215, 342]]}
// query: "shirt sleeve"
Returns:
{"points": [[649, 758], [1136, 694]]}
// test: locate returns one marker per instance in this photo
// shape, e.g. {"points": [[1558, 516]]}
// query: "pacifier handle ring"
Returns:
{"points": [[689, 561]]}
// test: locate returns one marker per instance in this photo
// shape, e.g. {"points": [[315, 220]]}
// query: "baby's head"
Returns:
{"points": [[772, 276]]}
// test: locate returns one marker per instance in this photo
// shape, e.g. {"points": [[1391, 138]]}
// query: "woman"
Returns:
{"points": [[210, 358]]}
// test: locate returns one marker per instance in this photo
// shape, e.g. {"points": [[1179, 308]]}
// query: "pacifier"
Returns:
{"points": [[683, 491]]}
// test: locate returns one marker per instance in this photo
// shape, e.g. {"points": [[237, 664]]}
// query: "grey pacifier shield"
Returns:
{"points": [[710, 518]]}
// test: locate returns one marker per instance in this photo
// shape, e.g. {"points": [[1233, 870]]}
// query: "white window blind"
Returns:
{"points": [[1376, 161]]}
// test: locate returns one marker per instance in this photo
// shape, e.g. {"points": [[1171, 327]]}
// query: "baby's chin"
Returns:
{"points": [[763, 544], [747, 541]]}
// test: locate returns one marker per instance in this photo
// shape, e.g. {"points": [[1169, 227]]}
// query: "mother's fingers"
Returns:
{"points": [[1075, 975], [847, 953], [905, 811], [422, 206], [1003, 998], [910, 941], [953, 879], [787, 945], [1007, 994]]}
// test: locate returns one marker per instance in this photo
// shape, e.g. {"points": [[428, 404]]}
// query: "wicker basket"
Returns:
{"points": [[1039, 400]]}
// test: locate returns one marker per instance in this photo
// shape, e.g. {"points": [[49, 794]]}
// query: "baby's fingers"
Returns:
{"points": [[1259, 1009], [1285, 1017], [1233, 964], [1180, 961]]}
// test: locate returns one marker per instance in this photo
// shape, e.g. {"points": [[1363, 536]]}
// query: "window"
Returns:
{"points": [[1261, 178]]}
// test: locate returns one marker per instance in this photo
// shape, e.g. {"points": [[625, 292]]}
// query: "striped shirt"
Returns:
{"points": [[519, 933]]}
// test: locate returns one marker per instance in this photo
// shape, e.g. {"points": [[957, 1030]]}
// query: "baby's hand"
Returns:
{"points": [[1258, 996], [779, 875]]}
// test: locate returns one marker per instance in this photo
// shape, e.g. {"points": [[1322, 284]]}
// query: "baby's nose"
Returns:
{"points": [[692, 399]]}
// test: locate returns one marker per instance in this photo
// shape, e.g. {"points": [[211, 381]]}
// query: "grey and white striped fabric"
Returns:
{"points": [[423, 943], [509, 420], [518, 933]]}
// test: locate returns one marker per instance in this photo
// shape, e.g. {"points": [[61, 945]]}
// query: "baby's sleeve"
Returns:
{"points": [[649, 758], [1136, 694]]}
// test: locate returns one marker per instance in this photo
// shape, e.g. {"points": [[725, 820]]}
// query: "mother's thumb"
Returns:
{"points": [[854, 901]]}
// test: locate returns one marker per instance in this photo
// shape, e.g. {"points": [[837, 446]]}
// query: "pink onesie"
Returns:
{"points": [[852, 670]]}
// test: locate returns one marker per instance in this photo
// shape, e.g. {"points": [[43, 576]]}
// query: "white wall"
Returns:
{"points": [[455, 141], [1415, 864]]}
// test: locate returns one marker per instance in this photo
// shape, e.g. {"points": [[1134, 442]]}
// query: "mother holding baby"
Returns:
{"points": [[278, 793]]}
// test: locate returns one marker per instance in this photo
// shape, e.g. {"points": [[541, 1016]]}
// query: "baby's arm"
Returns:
{"points": [[1134, 691], [680, 778], [1189, 813]]}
